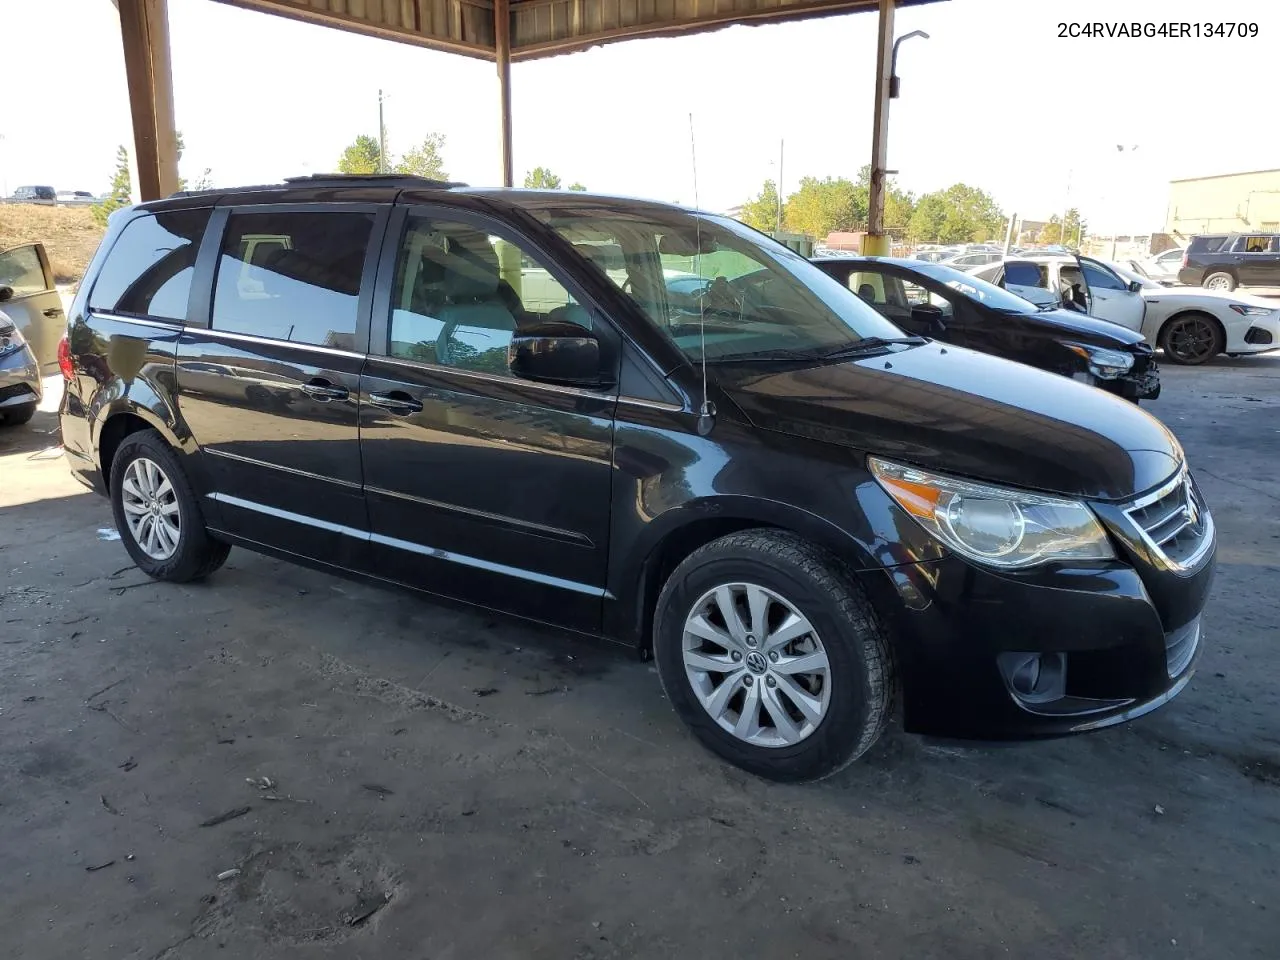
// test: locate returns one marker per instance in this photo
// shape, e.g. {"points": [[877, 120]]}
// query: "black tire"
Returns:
{"points": [[17, 416], [1192, 339], [857, 648], [1224, 276], [197, 554]]}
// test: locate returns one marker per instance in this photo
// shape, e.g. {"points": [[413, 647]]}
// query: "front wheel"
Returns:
{"points": [[157, 513], [772, 654], [1192, 339]]}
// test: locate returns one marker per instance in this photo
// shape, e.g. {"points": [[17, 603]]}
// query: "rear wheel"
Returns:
{"points": [[772, 654], [1219, 280], [157, 513], [17, 416], [1192, 339]]}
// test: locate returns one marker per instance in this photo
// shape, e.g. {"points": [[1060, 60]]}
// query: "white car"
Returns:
{"points": [[1194, 325], [1080, 283], [1163, 266]]}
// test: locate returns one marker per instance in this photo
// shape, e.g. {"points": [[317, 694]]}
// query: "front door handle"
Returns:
{"points": [[53, 311], [324, 391], [396, 401]]}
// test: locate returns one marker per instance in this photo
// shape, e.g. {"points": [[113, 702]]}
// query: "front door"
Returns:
{"points": [[270, 389], [1258, 261], [1110, 297], [35, 306], [480, 485]]}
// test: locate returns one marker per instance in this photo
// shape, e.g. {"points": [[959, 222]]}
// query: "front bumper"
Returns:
{"points": [[19, 379], [1126, 635]]}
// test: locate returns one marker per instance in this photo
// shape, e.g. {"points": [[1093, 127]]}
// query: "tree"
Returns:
{"points": [[203, 181], [927, 218], [577, 187], [362, 155], [121, 189], [425, 160], [762, 211], [821, 206], [1053, 231], [541, 178], [957, 214]]}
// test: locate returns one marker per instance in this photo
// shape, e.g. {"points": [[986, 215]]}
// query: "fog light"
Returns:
{"points": [[1035, 677]]}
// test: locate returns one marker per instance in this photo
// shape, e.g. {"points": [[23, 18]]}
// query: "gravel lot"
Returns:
{"points": [[443, 784]]}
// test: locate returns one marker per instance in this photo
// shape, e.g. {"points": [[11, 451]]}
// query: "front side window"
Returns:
{"points": [[460, 293], [292, 276], [703, 279], [148, 271], [21, 269], [1099, 277], [885, 292]]}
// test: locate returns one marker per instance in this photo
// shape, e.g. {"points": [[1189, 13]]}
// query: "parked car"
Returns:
{"points": [[35, 194], [20, 386], [1193, 325], [1161, 267], [965, 260], [803, 513], [74, 198], [31, 300], [935, 300], [1082, 284], [1224, 262]]}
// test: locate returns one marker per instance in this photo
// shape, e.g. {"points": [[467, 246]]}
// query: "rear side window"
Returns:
{"points": [[149, 268], [1021, 273], [21, 269], [1207, 244], [292, 276]]}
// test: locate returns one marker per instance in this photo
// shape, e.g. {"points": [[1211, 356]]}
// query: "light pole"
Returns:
{"points": [[382, 135]]}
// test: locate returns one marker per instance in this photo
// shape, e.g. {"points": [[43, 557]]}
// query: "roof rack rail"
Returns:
{"points": [[404, 180]]}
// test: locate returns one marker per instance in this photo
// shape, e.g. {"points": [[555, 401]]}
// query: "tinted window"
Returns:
{"points": [[1100, 278], [21, 269], [292, 276], [1208, 243], [1020, 273], [148, 271], [460, 293]]}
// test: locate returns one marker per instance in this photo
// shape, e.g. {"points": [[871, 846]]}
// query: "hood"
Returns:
{"points": [[1199, 293], [1102, 333], [967, 414]]}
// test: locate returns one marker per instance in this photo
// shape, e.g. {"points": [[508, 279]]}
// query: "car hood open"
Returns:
{"points": [[967, 414]]}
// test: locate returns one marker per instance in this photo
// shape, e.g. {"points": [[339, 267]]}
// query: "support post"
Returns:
{"points": [[144, 31], [876, 243], [502, 49]]}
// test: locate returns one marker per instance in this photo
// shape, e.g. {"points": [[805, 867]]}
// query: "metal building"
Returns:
{"points": [[1225, 203]]}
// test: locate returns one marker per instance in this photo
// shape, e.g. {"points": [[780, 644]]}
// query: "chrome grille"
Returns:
{"points": [[1180, 646], [1174, 522]]}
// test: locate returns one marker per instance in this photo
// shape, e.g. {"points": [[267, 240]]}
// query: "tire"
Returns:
{"points": [[1192, 339], [798, 578], [17, 416], [190, 553], [1219, 280]]}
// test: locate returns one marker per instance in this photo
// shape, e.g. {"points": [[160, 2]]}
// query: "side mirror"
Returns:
{"points": [[1135, 286], [6, 293], [928, 316], [556, 352]]}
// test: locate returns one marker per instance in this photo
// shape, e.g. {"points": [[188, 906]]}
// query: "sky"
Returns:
{"points": [[994, 98]]}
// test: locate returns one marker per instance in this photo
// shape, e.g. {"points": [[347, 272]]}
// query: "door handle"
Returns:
{"points": [[397, 401], [53, 311], [324, 391]]}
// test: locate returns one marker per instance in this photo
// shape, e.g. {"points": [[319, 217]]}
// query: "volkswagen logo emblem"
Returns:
{"points": [[756, 662]]}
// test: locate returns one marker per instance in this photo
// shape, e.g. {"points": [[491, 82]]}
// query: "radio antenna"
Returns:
{"points": [[707, 413]]}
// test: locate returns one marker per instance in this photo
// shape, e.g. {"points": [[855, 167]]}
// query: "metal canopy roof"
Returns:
{"points": [[542, 28]]}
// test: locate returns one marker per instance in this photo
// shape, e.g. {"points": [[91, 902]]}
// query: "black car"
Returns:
{"points": [[35, 194], [1223, 262], [804, 514], [933, 300]]}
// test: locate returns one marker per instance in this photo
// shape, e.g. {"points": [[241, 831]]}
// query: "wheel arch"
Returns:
{"points": [[118, 421], [1191, 312]]}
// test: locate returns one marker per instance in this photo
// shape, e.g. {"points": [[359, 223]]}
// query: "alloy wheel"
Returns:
{"points": [[151, 509], [757, 665], [1192, 340], [1218, 282]]}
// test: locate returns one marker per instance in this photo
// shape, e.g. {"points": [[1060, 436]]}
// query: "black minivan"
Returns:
{"points": [[512, 399]]}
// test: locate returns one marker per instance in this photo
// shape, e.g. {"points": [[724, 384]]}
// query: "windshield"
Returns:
{"points": [[704, 278], [1130, 275], [997, 298]]}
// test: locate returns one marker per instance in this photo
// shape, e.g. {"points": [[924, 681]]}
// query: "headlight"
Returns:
{"points": [[1247, 311], [1103, 363], [10, 340], [994, 525]]}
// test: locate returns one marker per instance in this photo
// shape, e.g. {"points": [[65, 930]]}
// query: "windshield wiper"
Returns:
{"points": [[872, 345], [776, 354]]}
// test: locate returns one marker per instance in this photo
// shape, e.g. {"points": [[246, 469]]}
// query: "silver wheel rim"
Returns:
{"points": [[1217, 283], [151, 509], [756, 664]]}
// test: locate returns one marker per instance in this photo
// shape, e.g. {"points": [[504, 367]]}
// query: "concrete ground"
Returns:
{"points": [[399, 780]]}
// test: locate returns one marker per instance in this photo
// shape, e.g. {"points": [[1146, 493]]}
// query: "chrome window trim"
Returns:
{"points": [[493, 377], [297, 344], [174, 325], [652, 404]]}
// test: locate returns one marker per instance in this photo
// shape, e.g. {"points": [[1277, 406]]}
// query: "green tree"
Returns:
{"points": [[1054, 231], [425, 160], [821, 206], [541, 178], [957, 214], [927, 218], [577, 187], [362, 155], [762, 211], [121, 189]]}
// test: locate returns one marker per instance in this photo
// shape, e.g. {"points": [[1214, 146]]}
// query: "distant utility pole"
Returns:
{"points": [[382, 136], [781, 146], [1010, 232]]}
